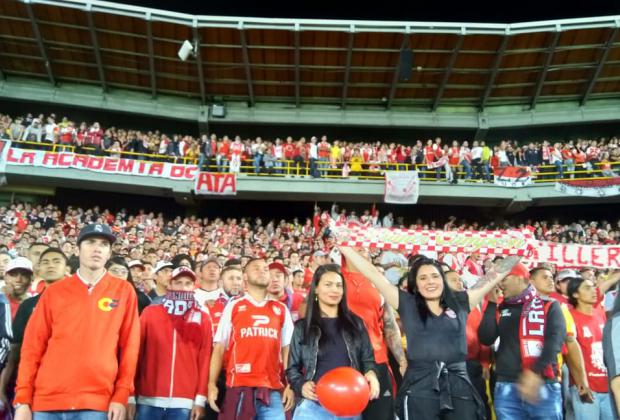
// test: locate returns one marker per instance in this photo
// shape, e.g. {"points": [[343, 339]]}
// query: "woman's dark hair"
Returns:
{"points": [[176, 261], [447, 299], [120, 261], [573, 287], [346, 319]]}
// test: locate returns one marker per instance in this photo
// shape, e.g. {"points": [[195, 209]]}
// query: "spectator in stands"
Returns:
{"points": [[582, 295], [18, 276], [173, 384], [366, 302], [254, 380], [344, 342], [118, 267], [102, 380], [527, 382], [431, 309], [52, 265]]}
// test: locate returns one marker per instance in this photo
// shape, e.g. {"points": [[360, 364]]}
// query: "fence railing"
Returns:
{"points": [[327, 169]]}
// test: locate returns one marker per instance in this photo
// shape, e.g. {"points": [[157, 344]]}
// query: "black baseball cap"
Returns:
{"points": [[96, 229]]}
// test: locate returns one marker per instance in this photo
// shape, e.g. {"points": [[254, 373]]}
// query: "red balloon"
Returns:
{"points": [[343, 391]]}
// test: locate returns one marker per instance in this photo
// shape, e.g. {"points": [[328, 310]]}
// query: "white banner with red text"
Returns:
{"points": [[101, 164], [492, 243], [512, 176], [401, 187], [213, 183], [5, 146], [574, 255]]}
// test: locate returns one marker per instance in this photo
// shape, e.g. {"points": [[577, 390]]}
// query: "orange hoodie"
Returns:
{"points": [[80, 348]]}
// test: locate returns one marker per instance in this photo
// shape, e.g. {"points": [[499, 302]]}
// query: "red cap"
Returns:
{"points": [[278, 266], [183, 271], [520, 270]]}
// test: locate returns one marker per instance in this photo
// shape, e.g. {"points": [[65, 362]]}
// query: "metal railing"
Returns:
{"points": [[326, 169]]}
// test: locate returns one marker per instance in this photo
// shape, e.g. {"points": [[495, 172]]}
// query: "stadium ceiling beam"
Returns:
{"points": [[497, 62], [600, 65], [403, 45], [335, 25], [543, 73], [201, 79], [39, 38], [448, 72], [347, 70], [95, 42], [246, 63], [149, 36], [296, 35]]}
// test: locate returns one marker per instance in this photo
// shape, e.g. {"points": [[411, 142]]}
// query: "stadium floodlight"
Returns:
{"points": [[186, 50]]}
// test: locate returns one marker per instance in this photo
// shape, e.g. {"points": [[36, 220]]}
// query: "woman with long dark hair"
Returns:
{"points": [[435, 385], [329, 336], [118, 267]]}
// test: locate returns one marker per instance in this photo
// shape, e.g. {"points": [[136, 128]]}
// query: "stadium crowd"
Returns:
{"points": [[245, 316], [318, 156]]}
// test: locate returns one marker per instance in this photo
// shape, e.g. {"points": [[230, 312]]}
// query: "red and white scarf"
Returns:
{"points": [[532, 328]]}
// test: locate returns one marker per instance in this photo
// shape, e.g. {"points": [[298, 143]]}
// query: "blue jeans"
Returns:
{"points": [[600, 409], [70, 415], [146, 412], [314, 171], [273, 411], [510, 406], [559, 168], [310, 410], [467, 168], [257, 162]]}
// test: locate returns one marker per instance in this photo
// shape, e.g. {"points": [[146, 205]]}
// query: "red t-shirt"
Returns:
{"points": [[365, 301], [590, 338]]}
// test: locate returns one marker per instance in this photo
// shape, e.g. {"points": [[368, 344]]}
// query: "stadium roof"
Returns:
{"points": [[301, 61]]}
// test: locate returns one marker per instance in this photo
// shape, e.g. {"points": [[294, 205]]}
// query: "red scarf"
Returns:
{"points": [[532, 328]]}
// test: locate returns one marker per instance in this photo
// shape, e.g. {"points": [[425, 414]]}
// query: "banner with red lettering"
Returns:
{"points": [[102, 164], [499, 242], [5, 146], [575, 255], [513, 176], [216, 183]]}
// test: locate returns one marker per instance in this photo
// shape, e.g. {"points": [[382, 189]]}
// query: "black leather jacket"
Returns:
{"points": [[302, 357]]}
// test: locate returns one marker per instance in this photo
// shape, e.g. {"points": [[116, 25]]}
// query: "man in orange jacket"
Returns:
{"points": [[81, 344]]}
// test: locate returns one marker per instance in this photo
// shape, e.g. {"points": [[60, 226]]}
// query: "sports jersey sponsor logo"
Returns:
{"points": [[277, 310], [106, 304], [257, 331], [242, 308]]}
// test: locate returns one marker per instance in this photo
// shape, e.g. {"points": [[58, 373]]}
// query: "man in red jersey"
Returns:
{"points": [[255, 332], [584, 298], [209, 296]]}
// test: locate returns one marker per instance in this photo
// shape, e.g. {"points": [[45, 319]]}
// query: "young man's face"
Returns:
{"points": [[18, 282], [232, 282], [94, 252], [52, 267], [182, 284]]}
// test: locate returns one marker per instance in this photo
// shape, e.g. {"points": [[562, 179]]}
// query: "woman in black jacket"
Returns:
{"points": [[330, 336]]}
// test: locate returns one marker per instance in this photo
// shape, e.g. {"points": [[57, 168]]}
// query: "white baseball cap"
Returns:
{"points": [[162, 264], [19, 263]]}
